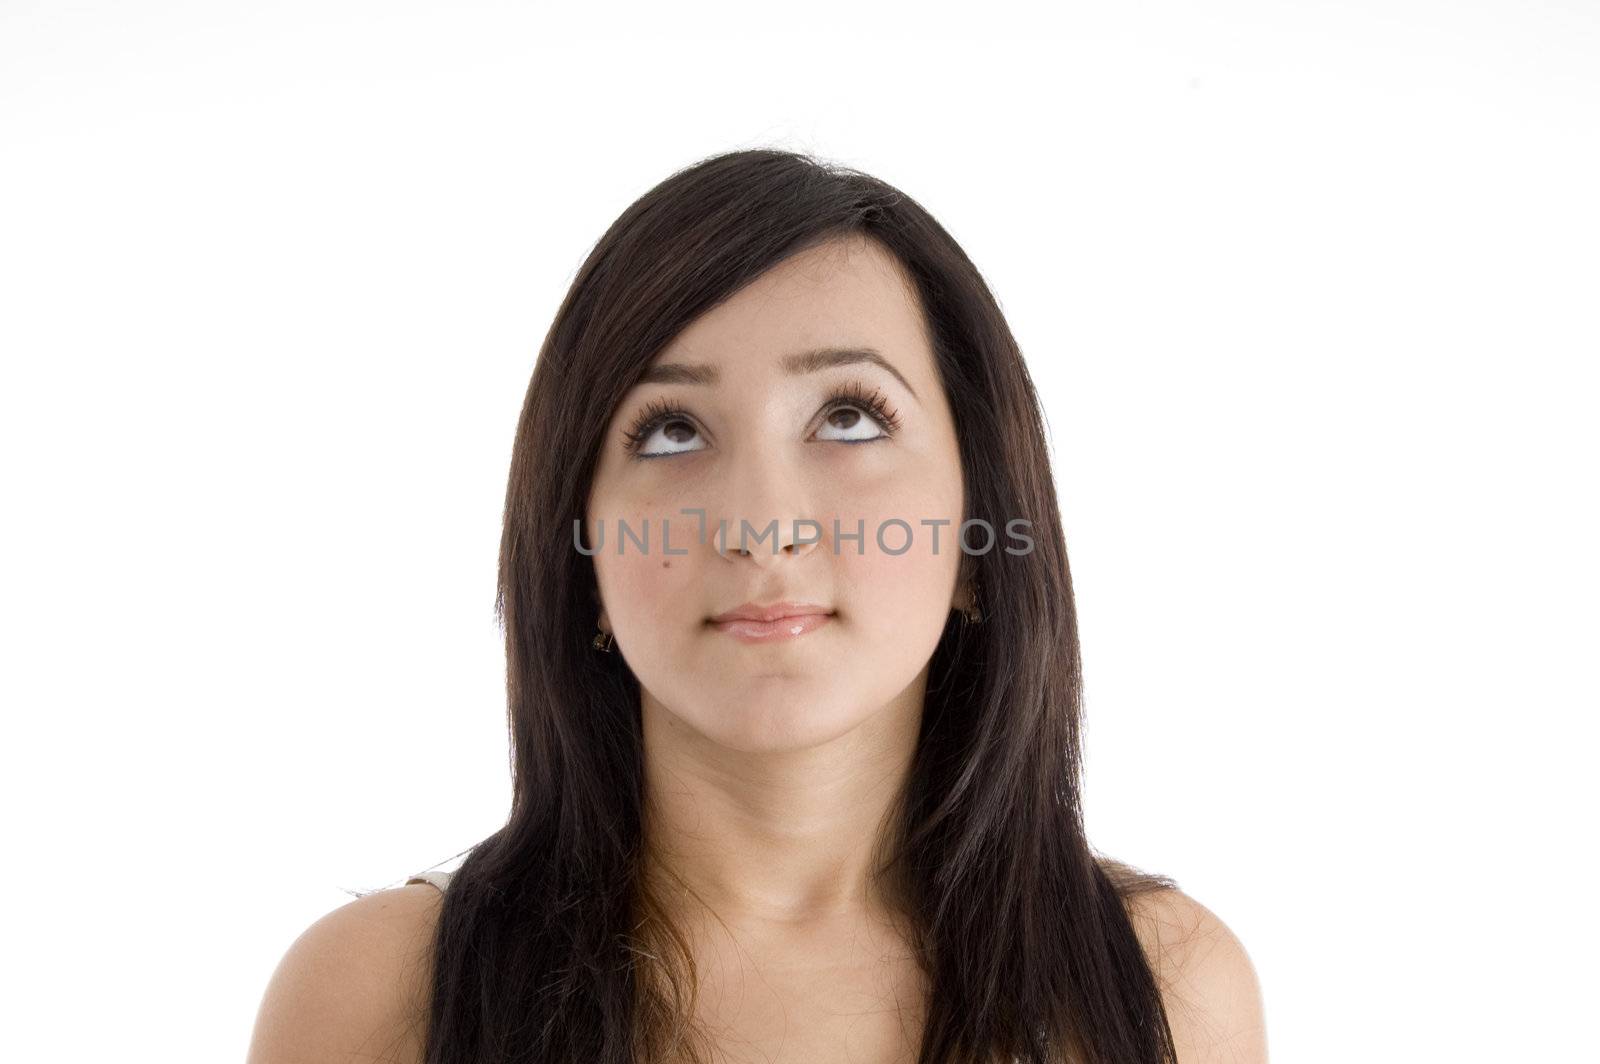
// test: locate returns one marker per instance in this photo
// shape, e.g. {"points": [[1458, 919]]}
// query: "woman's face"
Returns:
{"points": [[756, 438]]}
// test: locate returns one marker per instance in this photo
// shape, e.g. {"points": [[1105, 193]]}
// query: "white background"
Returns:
{"points": [[1309, 290]]}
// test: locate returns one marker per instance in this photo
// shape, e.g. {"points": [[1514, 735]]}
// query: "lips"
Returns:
{"points": [[776, 622], [775, 611]]}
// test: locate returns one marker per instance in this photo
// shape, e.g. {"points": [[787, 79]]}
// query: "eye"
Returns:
{"points": [[859, 409], [851, 410], [660, 418]]}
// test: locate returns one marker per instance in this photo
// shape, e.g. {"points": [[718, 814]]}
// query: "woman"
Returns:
{"points": [[794, 690]]}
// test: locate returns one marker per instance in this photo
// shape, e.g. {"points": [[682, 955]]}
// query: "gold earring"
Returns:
{"points": [[970, 612], [603, 641]]}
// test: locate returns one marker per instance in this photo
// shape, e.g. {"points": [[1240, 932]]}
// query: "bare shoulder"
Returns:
{"points": [[354, 985], [1207, 979]]}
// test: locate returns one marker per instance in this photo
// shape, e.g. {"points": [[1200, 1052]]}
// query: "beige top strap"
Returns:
{"points": [[438, 879]]}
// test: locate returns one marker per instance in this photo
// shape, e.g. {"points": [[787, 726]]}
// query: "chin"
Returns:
{"points": [[767, 722]]}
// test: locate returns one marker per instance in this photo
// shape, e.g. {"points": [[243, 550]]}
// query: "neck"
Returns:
{"points": [[786, 839]]}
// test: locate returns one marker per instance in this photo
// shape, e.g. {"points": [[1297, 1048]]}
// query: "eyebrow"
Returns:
{"points": [[800, 362]]}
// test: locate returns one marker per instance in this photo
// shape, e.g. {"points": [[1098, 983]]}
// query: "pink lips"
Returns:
{"points": [[775, 622]]}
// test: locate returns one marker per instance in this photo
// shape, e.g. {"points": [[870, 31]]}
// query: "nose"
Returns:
{"points": [[766, 514], [766, 542]]}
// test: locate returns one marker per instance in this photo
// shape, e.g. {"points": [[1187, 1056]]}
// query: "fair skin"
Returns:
{"points": [[353, 986], [771, 767]]}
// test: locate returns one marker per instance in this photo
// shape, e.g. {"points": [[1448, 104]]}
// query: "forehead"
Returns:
{"points": [[847, 292]]}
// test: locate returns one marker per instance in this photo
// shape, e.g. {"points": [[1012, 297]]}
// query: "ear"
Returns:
{"points": [[602, 621], [962, 597]]}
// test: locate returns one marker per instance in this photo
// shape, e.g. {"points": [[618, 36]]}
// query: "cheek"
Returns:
{"points": [[643, 584], [645, 591], [903, 571], [897, 591]]}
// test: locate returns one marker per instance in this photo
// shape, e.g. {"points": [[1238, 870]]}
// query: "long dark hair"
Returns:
{"points": [[551, 947]]}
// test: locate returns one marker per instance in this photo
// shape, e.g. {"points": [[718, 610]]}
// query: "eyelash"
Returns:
{"points": [[869, 401]]}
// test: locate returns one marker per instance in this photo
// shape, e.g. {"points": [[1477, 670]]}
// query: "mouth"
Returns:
{"points": [[778, 622]]}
